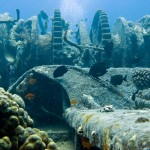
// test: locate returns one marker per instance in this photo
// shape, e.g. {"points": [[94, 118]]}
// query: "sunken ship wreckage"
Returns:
{"points": [[97, 86]]}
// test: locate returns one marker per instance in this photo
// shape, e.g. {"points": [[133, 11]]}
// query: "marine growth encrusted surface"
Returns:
{"points": [[141, 78], [16, 132]]}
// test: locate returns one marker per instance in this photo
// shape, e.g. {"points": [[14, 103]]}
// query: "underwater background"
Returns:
{"points": [[75, 10], [75, 75]]}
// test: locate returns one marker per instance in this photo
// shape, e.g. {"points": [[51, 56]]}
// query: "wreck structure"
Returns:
{"points": [[131, 42], [57, 40], [82, 35], [98, 46], [43, 21], [102, 116], [115, 48], [99, 112]]}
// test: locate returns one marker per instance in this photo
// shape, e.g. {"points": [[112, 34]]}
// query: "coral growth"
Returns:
{"points": [[142, 120], [16, 132], [108, 108], [5, 143], [141, 78]]}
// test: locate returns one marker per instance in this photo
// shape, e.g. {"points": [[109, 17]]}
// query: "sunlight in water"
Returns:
{"points": [[72, 10]]}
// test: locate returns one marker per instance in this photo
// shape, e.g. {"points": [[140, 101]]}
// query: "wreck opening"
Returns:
{"points": [[45, 98]]}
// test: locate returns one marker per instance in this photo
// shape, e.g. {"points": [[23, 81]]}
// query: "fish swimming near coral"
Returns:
{"points": [[98, 69], [117, 79], [60, 71]]}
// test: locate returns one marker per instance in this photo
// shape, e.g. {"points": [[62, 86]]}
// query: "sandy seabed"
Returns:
{"points": [[66, 145]]}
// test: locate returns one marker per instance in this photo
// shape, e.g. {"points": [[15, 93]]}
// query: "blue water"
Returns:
{"points": [[75, 10]]}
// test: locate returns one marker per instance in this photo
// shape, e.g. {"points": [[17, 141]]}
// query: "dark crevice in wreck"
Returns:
{"points": [[45, 99]]}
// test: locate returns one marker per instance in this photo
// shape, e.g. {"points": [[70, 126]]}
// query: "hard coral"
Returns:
{"points": [[10, 114], [15, 127], [141, 78], [52, 146], [34, 142], [5, 143]]}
